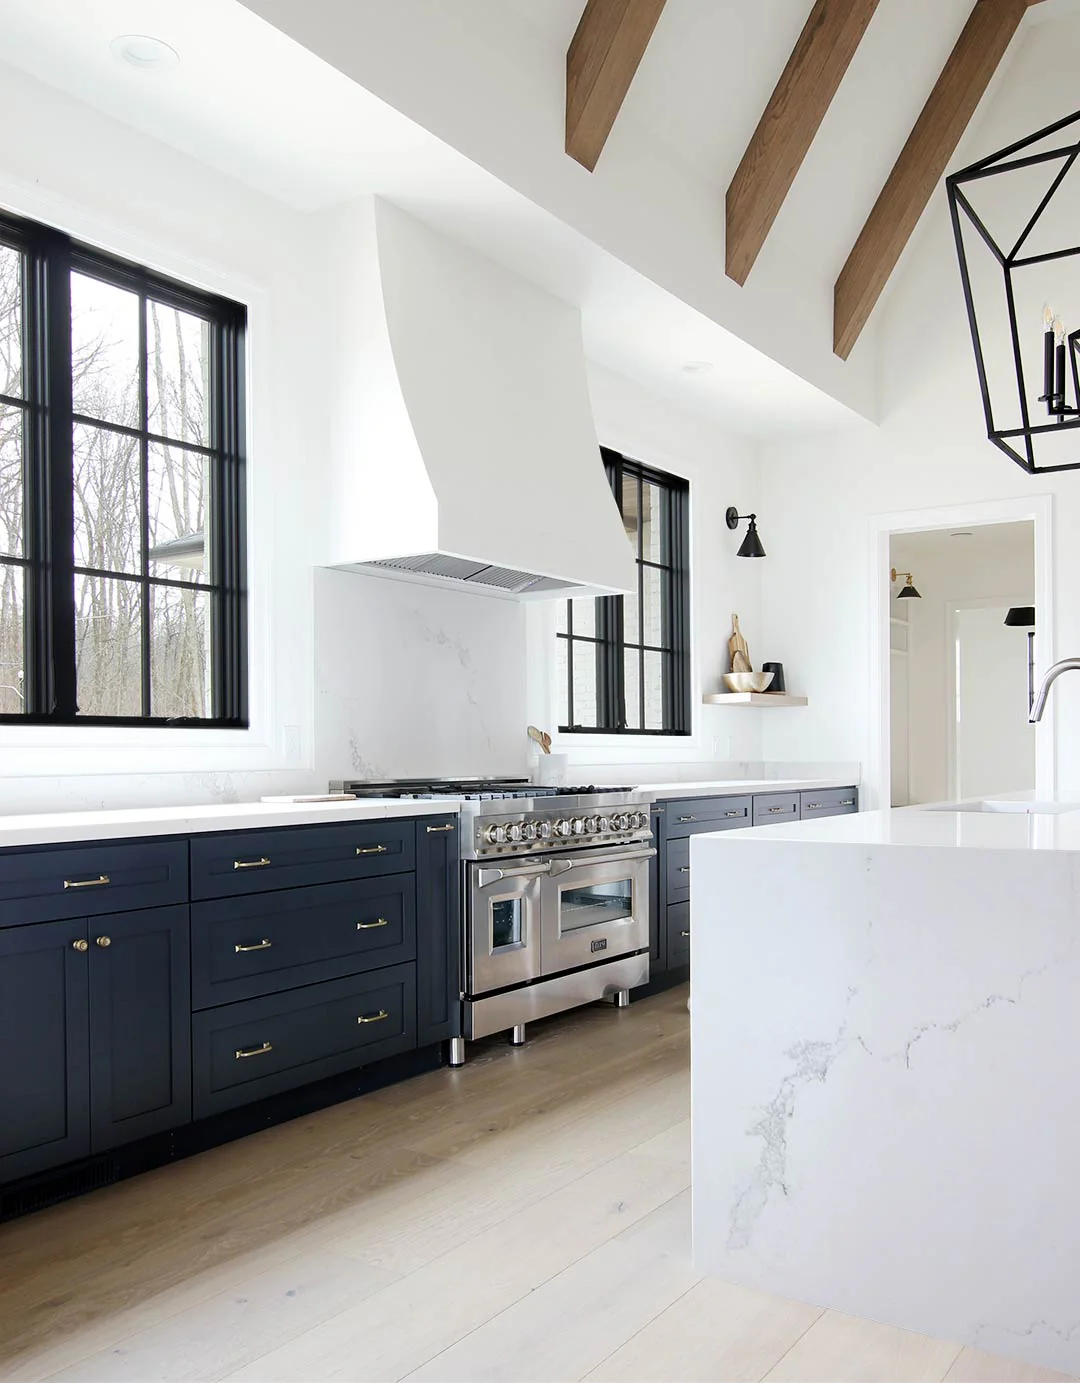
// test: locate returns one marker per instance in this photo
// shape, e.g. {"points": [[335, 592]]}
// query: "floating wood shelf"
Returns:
{"points": [[753, 699]]}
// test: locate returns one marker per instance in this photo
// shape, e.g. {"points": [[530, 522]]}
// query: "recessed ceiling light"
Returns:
{"points": [[697, 367], [143, 51]]}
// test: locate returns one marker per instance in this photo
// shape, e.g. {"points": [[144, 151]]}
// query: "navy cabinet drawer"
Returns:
{"points": [[678, 934], [245, 947], [831, 802], [775, 806], [88, 880], [678, 870], [244, 1052], [294, 856], [689, 816]]}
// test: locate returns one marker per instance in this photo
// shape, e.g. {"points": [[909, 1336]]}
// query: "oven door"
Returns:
{"points": [[503, 934], [595, 907]]}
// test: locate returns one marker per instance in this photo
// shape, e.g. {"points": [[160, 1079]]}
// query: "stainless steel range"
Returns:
{"points": [[555, 897]]}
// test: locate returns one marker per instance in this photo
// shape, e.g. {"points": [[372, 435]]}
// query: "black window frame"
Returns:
{"points": [[49, 258], [609, 637]]}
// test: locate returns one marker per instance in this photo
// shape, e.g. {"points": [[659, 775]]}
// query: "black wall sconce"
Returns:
{"points": [[1023, 617], [751, 544], [907, 591]]}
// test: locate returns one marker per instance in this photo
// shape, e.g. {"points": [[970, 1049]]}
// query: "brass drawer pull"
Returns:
{"points": [[684, 869], [847, 802], [367, 926], [686, 818], [242, 949], [373, 1017], [81, 945], [686, 934], [88, 883], [816, 806], [371, 849], [242, 1052], [103, 941], [260, 863], [774, 810], [742, 813], [434, 830]]}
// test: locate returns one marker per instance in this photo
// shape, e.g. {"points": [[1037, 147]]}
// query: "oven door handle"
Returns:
{"points": [[564, 866], [493, 876]]}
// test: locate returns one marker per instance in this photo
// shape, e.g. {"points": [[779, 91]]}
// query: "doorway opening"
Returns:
{"points": [[958, 671]]}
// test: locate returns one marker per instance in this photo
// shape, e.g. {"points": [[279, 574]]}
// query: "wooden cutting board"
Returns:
{"points": [[740, 654]]}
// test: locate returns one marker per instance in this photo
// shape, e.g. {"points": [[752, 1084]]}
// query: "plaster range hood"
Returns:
{"points": [[463, 449]]}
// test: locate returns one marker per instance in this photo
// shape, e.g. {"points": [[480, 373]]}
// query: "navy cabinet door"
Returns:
{"points": [[438, 931], [657, 880], [44, 1062], [140, 1024]]}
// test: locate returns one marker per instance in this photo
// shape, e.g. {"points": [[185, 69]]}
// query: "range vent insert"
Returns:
{"points": [[463, 569]]}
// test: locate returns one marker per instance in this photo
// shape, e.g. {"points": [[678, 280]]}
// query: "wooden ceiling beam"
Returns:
{"points": [[921, 165], [787, 128], [604, 54]]}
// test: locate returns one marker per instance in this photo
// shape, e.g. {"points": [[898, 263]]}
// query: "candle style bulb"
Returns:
{"points": [[1048, 317], [1059, 331]]}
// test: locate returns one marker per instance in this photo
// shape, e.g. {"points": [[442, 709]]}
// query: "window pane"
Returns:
{"points": [[108, 646], [108, 527], [562, 611], [584, 709], [12, 634], [631, 622], [179, 652], [178, 374], [584, 618], [653, 523], [11, 352], [632, 683], [105, 351], [11, 481], [562, 682], [652, 585], [178, 483], [654, 691], [629, 507]]}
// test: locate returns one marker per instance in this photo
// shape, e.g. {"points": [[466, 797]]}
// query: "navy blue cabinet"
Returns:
{"points": [[43, 885], [140, 1024], [438, 930], [44, 1056]]}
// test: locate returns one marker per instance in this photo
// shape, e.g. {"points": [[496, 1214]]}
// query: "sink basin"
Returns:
{"points": [[1023, 808]]}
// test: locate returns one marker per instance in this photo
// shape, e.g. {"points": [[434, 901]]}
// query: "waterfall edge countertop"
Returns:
{"points": [[884, 1093], [51, 828]]}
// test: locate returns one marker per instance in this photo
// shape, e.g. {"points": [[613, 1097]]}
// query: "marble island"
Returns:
{"points": [[886, 1100]]}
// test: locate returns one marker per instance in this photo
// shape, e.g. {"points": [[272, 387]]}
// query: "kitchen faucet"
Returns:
{"points": [[1065, 665]]}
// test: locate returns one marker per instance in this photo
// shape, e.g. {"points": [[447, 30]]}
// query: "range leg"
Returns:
{"points": [[457, 1051], [517, 1035], [622, 998]]}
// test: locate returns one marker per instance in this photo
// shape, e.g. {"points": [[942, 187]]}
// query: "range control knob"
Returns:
{"points": [[528, 830], [494, 834], [577, 823], [591, 825], [544, 830], [514, 832], [640, 821], [621, 822], [561, 827]]}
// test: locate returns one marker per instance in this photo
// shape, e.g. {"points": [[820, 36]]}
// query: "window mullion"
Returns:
{"points": [[56, 519]]}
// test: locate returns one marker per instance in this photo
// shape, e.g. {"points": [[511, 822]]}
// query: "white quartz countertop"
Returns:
{"points": [[919, 827], [49, 828], [735, 787]]}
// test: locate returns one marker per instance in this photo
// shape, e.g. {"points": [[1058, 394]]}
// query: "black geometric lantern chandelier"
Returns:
{"points": [[1014, 217]]}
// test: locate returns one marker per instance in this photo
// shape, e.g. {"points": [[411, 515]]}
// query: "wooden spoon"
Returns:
{"points": [[540, 737]]}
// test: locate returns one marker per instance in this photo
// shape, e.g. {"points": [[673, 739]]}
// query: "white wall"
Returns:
{"points": [[996, 563], [820, 497]]}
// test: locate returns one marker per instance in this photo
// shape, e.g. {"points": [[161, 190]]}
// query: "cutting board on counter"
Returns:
{"points": [[740, 653]]}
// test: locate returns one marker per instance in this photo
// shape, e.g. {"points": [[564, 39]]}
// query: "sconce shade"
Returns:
{"points": [[1021, 617], [751, 544], [908, 592]]}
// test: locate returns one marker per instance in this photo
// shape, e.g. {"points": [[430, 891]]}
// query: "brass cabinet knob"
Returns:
{"points": [[104, 941], [80, 945]]}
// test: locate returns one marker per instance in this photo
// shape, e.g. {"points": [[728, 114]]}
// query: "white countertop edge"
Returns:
{"points": [[739, 787], [53, 828]]}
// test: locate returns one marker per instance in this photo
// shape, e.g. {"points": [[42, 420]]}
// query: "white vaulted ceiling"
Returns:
{"points": [[454, 108]]}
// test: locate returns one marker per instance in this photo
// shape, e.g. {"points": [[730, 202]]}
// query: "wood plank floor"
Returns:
{"points": [[526, 1217]]}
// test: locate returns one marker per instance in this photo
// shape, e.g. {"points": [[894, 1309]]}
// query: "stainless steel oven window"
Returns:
{"points": [[507, 923], [592, 905]]}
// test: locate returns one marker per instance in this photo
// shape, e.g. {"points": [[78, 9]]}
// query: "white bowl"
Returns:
{"points": [[748, 681]]}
